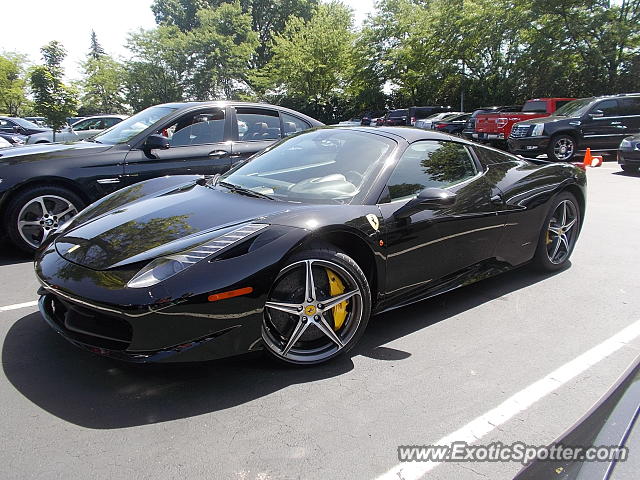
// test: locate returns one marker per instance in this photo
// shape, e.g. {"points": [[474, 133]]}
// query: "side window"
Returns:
{"points": [[197, 128], [80, 126], [257, 124], [430, 164], [293, 124], [630, 106], [110, 122], [610, 108], [489, 157], [562, 103]]}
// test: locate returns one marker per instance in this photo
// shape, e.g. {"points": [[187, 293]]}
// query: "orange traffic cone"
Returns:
{"points": [[591, 160]]}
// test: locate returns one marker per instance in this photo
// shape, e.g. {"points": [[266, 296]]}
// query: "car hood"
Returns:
{"points": [[549, 119], [168, 221], [31, 153]]}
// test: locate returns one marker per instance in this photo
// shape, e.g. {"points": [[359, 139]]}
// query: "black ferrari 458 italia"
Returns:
{"points": [[294, 249]]}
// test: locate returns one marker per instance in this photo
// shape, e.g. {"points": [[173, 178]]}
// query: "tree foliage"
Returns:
{"points": [[52, 98], [12, 83]]}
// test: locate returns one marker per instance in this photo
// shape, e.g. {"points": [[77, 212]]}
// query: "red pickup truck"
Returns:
{"points": [[495, 128]]}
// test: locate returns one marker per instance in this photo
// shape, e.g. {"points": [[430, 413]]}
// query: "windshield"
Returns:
{"points": [[318, 166], [25, 123], [536, 106], [399, 113], [129, 128], [575, 108]]}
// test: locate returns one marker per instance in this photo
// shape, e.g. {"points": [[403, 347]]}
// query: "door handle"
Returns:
{"points": [[497, 200], [616, 123], [218, 153]]}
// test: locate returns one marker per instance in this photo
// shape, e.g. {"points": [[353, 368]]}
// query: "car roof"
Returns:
{"points": [[222, 103]]}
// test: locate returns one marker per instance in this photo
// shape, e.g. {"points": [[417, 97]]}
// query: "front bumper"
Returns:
{"points": [[488, 137], [174, 321], [528, 146], [629, 157]]}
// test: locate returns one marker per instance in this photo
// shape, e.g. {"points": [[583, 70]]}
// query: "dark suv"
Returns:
{"points": [[599, 123]]}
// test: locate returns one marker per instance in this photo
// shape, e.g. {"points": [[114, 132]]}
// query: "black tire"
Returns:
{"points": [[542, 259], [273, 336], [554, 150], [629, 168], [22, 199]]}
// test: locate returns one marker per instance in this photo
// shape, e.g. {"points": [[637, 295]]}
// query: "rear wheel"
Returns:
{"points": [[562, 148], [35, 214], [559, 234], [318, 308]]}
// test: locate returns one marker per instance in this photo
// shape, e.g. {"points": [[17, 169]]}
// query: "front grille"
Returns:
{"points": [[88, 326], [519, 131]]}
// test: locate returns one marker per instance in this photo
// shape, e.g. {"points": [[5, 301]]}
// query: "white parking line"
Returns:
{"points": [[484, 424], [18, 305]]}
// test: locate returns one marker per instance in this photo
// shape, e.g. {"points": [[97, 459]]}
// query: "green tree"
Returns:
{"points": [[312, 61], [103, 86], [267, 17], [221, 48], [95, 50], [52, 98], [12, 83], [159, 69]]}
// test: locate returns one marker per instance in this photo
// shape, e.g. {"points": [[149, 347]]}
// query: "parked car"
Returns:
{"points": [[598, 123], [294, 250], [427, 123], [421, 112], [352, 122], [45, 185], [14, 139], [20, 125], [72, 120], [470, 127], [78, 131], [452, 125], [369, 119], [629, 154], [494, 128], [396, 117]]}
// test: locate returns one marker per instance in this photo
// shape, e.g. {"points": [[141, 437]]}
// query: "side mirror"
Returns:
{"points": [[597, 114], [426, 199], [156, 142]]}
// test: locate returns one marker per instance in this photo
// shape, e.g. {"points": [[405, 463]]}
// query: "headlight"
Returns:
{"points": [[538, 128], [164, 267], [626, 144]]}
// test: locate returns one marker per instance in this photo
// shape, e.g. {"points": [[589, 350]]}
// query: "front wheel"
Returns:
{"points": [[562, 148], [318, 308], [559, 234], [34, 214]]}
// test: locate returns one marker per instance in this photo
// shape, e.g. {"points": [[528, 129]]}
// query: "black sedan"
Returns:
{"points": [[629, 154], [42, 186], [295, 249], [453, 125], [12, 125]]}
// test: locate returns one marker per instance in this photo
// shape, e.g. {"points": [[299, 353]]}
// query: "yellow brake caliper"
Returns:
{"points": [[336, 287]]}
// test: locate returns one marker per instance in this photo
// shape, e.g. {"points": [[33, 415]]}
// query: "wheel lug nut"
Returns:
{"points": [[320, 305], [299, 309], [310, 300], [304, 319], [316, 317]]}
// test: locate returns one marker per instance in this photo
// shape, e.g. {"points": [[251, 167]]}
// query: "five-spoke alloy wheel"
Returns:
{"points": [[318, 307], [560, 233]]}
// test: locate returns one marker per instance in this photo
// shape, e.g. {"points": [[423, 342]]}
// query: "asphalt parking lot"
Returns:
{"points": [[419, 374]]}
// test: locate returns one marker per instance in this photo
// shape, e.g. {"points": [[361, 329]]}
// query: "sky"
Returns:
{"points": [[71, 22]]}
